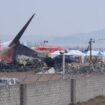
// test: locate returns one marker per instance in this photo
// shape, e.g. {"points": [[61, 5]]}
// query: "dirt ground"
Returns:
{"points": [[99, 100]]}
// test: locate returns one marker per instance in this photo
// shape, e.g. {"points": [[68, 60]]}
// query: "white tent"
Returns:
{"points": [[75, 53], [103, 56], [94, 53], [103, 53]]}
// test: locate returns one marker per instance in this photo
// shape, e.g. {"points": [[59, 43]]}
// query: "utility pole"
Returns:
{"points": [[90, 44], [0, 49], [63, 64]]}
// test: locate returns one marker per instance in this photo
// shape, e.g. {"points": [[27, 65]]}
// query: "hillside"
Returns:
{"points": [[81, 39]]}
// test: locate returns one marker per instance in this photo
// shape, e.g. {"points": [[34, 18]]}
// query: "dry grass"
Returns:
{"points": [[99, 100]]}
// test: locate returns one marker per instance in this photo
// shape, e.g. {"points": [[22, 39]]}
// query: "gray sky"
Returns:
{"points": [[53, 18]]}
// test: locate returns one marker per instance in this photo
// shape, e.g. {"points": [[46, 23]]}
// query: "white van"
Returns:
{"points": [[8, 81]]}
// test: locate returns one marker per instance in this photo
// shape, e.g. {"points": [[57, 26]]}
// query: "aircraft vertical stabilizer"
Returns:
{"points": [[18, 36]]}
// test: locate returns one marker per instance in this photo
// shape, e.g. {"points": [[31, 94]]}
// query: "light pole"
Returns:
{"points": [[45, 41], [90, 44], [63, 63]]}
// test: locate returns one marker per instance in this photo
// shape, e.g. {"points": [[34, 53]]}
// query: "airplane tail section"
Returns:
{"points": [[18, 36]]}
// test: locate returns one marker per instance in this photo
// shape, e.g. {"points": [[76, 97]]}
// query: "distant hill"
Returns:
{"points": [[82, 39]]}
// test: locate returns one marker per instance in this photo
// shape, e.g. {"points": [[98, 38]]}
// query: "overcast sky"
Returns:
{"points": [[53, 18]]}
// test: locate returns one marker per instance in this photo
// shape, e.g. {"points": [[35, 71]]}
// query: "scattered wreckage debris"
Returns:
{"points": [[23, 65], [48, 65]]}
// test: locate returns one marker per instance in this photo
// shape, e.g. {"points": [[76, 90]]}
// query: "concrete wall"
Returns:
{"points": [[10, 95], [49, 93], [89, 87], [63, 92], [54, 92]]}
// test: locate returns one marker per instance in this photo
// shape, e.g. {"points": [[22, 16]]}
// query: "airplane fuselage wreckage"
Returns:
{"points": [[11, 49]]}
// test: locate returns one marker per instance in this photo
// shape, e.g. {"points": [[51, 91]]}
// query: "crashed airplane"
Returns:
{"points": [[10, 50]]}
